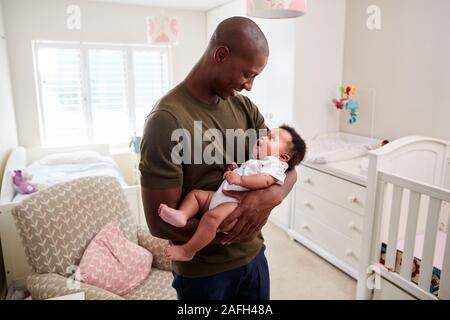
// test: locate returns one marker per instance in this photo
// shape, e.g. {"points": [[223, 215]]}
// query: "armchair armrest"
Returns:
{"points": [[50, 285], [156, 247]]}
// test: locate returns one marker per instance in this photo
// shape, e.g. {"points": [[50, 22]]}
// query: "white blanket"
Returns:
{"points": [[325, 150], [47, 175]]}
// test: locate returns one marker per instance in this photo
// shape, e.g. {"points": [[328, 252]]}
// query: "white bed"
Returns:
{"points": [[16, 266], [405, 248]]}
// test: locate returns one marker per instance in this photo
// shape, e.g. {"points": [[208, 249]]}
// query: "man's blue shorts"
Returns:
{"points": [[249, 282]]}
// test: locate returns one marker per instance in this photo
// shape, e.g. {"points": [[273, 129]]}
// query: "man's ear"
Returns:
{"points": [[221, 54], [285, 157]]}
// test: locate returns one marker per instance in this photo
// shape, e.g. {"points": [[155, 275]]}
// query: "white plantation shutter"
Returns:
{"points": [[98, 93], [109, 96], [61, 93], [151, 82]]}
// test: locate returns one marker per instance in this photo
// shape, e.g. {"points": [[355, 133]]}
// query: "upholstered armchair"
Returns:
{"points": [[56, 225]]}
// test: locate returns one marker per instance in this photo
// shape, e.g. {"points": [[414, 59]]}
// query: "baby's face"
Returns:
{"points": [[276, 143]]}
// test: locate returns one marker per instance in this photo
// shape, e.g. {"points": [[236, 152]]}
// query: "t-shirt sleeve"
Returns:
{"points": [[156, 165], [275, 168]]}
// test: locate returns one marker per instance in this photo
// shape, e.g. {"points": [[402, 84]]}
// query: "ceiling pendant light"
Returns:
{"points": [[276, 9]]}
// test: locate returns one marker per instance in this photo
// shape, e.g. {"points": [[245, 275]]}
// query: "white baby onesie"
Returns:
{"points": [[270, 165]]}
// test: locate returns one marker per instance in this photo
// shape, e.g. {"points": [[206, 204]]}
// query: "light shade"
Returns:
{"points": [[276, 9], [162, 30]]}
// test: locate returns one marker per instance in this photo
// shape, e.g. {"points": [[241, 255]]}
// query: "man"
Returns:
{"points": [[234, 266]]}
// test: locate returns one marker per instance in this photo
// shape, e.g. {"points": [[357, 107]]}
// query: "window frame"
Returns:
{"points": [[84, 48]]}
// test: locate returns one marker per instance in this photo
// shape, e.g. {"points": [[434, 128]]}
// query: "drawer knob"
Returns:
{"points": [[352, 226], [305, 226], [349, 253], [307, 203], [307, 180], [353, 199]]}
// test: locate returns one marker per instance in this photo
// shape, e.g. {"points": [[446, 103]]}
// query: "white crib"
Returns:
{"points": [[408, 195]]}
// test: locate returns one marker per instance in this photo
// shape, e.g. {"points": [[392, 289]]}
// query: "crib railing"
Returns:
{"points": [[418, 191]]}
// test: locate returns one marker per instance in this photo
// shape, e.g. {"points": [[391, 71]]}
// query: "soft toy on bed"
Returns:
{"points": [[22, 183]]}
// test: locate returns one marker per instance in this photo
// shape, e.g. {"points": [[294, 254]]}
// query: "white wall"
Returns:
{"points": [[273, 90], [8, 133], [100, 22], [319, 60], [2, 27], [303, 72], [304, 68], [406, 63]]}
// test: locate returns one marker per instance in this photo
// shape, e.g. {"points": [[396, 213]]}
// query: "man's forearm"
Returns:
{"points": [[163, 230], [256, 182], [152, 198], [289, 182]]}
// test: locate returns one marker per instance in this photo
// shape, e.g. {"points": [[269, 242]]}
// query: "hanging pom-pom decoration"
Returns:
{"points": [[345, 102]]}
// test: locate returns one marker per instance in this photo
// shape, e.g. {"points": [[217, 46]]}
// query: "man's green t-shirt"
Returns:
{"points": [[180, 110]]}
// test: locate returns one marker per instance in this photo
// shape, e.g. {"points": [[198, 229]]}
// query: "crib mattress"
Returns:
{"points": [[418, 250]]}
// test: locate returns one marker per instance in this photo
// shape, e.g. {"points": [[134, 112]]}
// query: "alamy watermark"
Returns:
{"points": [[209, 147], [73, 21], [73, 281], [374, 19], [373, 281]]}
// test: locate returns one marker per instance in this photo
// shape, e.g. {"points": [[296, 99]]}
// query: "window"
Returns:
{"points": [[91, 93]]}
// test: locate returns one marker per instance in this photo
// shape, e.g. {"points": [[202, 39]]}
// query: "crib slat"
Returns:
{"points": [[444, 285], [429, 245], [410, 236], [394, 222], [381, 190]]}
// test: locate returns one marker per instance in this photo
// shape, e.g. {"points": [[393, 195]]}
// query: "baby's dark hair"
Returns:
{"points": [[297, 148]]}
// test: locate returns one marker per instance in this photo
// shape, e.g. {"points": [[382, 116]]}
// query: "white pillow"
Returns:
{"points": [[71, 158]]}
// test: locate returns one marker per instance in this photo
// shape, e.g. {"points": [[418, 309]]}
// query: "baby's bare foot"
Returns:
{"points": [[172, 216], [178, 253]]}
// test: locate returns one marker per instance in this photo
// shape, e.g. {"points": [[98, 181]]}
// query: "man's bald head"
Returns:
{"points": [[242, 36]]}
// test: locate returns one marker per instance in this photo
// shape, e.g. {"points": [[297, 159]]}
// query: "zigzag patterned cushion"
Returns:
{"points": [[114, 263]]}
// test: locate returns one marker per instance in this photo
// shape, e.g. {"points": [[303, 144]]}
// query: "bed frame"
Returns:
{"points": [[16, 265], [409, 176]]}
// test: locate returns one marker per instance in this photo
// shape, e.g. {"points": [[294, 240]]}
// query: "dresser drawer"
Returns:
{"points": [[343, 248], [334, 216], [341, 192]]}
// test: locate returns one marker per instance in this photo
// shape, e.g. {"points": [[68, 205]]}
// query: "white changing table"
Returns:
{"points": [[328, 207]]}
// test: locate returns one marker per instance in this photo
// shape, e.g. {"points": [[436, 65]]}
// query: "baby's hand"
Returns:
{"points": [[232, 178], [232, 167]]}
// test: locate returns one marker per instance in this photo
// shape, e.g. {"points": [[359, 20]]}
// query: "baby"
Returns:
{"points": [[281, 149]]}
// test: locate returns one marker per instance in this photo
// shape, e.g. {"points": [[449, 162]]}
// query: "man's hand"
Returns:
{"points": [[252, 213], [232, 167], [233, 177], [254, 209]]}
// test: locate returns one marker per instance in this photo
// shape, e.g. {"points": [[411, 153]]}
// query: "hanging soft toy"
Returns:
{"points": [[345, 102]]}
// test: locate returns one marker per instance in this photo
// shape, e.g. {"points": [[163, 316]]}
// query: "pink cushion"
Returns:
{"points": [[113, 263]]}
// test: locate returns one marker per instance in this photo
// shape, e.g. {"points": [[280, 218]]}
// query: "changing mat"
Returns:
{"points": [[325, 150]]}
